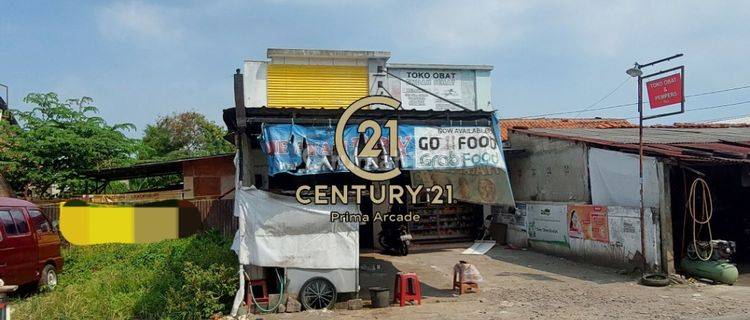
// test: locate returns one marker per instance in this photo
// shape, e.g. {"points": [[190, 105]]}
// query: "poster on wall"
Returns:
{"points": [[546, 222], [588, 222], [516, 220], [454, 85]]}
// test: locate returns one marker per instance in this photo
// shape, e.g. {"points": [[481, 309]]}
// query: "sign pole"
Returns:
{"points": [[637, 72], [640, 169]]}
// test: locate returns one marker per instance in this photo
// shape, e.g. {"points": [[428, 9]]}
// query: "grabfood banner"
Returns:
{"points": [[454, 85], [300, 150]]}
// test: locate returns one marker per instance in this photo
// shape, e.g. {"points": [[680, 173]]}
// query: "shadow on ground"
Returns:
{"points": [[553, 268], [376, 272]]}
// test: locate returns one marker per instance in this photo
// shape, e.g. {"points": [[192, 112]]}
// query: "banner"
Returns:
{"points": [[588, 222], [665, 91], [301, 150], [478, 185], [454, 85]]}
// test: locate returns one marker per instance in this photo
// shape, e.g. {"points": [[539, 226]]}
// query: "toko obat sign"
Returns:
{"points": [[302, 149]]}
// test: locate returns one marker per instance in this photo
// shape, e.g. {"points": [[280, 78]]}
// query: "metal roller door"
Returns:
{"points": [[315, 86]]}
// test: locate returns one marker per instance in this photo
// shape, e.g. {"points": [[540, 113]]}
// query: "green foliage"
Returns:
{"points": [[190, 278], [187, 134], [56, 142]]}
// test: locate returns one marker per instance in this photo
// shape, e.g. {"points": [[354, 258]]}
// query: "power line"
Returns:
{"points": [[633, 104], [711, 107], [605, 97], [725, 118]]}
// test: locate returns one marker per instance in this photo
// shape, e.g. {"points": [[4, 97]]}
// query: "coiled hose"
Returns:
{"points": [[281, 293], [706, 214]]}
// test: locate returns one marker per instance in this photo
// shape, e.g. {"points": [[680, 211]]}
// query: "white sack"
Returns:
{"points": [[277, 231]]}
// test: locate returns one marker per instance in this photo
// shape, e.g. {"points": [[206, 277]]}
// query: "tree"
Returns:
{"points": [[181, 135], [57, 141]]}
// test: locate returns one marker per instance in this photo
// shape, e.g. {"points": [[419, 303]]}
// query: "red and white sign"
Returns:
{"points": [[665, 91]]}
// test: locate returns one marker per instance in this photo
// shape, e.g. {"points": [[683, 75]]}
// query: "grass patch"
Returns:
{"points": [[189, 278]]}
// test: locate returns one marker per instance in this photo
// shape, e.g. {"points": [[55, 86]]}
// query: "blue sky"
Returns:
{"points": [[141, 59]]}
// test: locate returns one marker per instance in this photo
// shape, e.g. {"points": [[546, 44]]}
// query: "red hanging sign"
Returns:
{"points": [[665, 91]]}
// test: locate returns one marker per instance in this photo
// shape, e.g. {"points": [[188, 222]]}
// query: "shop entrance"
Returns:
{"points": [[730, 221]]}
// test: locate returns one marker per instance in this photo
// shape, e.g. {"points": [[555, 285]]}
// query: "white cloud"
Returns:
{"points": [[136, 20]]}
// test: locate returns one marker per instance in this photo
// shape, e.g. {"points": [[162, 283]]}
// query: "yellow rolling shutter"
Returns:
{"points": [[314, 86]]}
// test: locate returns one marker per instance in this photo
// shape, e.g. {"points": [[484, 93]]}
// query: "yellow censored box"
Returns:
{"points": [[86, 224]]}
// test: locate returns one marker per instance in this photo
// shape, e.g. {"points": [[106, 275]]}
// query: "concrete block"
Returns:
{"points": [[355, 304], [292, 305]]}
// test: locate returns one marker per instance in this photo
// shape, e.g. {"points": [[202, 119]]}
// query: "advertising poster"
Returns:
{"points": [[453, 85], [516, 220], [588, 222], [546, 222], [477, 185], [301, 150]]}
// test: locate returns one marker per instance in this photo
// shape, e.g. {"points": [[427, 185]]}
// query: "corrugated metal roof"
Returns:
{"points": [[653, 135], [692, 142]]}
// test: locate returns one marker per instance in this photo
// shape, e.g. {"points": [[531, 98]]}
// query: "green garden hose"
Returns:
{"points": [[281, 294]]}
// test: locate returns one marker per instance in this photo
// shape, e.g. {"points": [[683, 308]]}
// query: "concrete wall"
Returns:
{"points": [[255, 79], [483, 87], [623, 250], [548, 169]]}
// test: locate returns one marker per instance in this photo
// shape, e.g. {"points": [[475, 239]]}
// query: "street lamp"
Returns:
{"points": [[635, 71]]}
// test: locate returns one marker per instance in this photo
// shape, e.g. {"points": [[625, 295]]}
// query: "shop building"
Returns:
{"points": [[311, 87], [286, 112], [595, 171]]}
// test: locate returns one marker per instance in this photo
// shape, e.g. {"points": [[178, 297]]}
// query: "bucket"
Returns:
{"points": [[380, 297]]}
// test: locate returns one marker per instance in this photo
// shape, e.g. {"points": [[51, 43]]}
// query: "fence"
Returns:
{"points": [[215, 214]]}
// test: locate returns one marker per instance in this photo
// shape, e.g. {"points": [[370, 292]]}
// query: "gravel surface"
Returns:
{"points": [[521, 284]]}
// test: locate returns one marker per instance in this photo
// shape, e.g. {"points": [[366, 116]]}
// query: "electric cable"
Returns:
{"points": [[706, 214], [633, 103], [710, 107], [604, 97]]}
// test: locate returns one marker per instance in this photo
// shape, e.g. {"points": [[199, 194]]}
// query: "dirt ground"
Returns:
{"points": [[521, 284]]}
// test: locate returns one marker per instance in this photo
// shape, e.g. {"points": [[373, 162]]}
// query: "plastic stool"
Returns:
{"points": [[407, 289], [249, 291]]}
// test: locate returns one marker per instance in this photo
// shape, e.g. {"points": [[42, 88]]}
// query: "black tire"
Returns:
{"points": [[655, 280], [317, 293], [404, 250], [48, 279]]}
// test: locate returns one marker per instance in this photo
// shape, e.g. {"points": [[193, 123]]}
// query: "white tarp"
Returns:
{"points": [[277, 231], [614, 179]]}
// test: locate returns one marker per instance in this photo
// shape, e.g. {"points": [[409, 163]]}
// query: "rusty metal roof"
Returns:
{"points": [[686, 142]]}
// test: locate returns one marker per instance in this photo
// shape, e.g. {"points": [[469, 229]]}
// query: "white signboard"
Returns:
{"points": [[455, 147], [547, 222], [454, 85]]}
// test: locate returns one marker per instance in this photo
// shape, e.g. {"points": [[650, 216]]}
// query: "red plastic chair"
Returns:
{"points": [[407, 289]]}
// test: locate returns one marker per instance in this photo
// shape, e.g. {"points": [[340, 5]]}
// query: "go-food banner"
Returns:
{"points": [[303, 149]]}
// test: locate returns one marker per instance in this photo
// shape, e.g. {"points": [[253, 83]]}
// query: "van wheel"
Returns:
{"points": [[48, 280]]}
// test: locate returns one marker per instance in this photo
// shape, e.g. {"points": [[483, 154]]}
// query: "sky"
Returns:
{"points": [[142, 59]]}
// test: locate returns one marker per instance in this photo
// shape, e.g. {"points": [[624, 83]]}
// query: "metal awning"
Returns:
{"points": [[256, 116]]}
